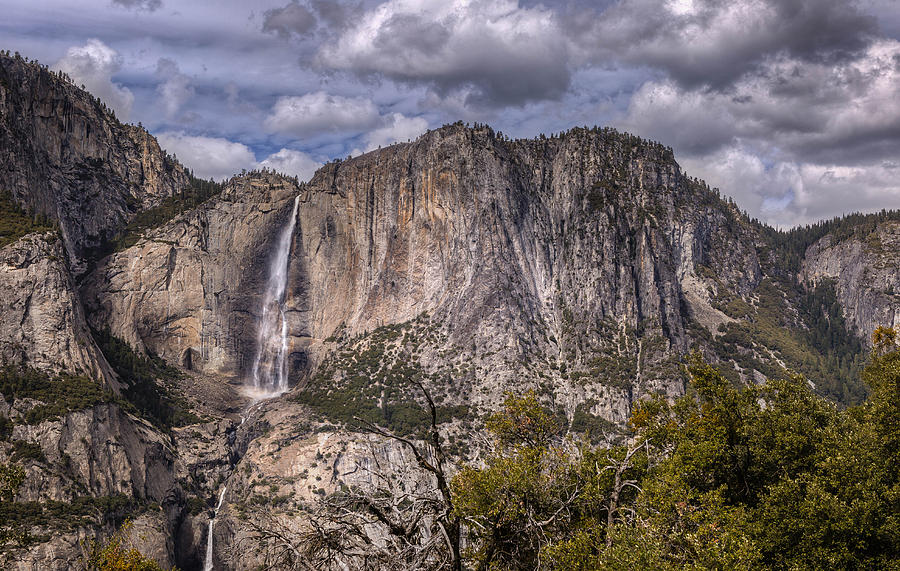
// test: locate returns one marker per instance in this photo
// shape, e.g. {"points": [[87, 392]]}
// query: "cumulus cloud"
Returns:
{"points": [[93, 65], [714, 43], [209, 157], [494, 50], [292, 19], [787, 193], [320, 112], [140, 5], [292, 162], [812, 112], [397, 127], [793, 141], [175, 88]]}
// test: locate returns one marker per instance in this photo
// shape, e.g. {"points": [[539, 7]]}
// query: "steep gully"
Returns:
{"points": [[269, 378]]}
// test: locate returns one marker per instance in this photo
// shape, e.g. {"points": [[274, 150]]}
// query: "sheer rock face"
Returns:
{"points": [[526, 253], [64, 155], [189, 291], [866, 274], [42, 324], [529, 256], [106, 451]]}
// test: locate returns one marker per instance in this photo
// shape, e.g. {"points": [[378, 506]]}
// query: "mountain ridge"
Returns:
{"points": [[583, 266]]}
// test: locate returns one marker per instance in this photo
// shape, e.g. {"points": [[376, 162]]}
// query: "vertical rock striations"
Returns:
{"points": [[191, 291]]}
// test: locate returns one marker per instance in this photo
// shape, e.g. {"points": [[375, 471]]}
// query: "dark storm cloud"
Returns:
{"points": [[714, 42], [491, 54], [147, 5], [293, 19]]}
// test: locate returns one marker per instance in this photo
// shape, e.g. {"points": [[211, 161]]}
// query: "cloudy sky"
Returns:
{"points": [[790, 106]]}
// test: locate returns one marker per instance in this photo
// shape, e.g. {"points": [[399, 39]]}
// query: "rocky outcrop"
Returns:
{"points": [[100, 452], [42, 324], [866, 273], [189, 290], [65, 155], [534, 251]]}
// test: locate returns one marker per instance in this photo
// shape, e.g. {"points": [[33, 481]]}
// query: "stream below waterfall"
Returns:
{"points": [[269, 377]]}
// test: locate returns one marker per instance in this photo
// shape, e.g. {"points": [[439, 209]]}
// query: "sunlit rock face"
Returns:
{"points": [[191, 291], [42, 324]]}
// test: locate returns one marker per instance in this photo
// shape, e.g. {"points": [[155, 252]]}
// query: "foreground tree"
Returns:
{"points": [[118, 554], [540, 499], [726, 477]]}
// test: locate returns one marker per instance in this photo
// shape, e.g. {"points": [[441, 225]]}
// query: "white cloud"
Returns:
{"points": [[787, 193], [495, 50], [398, 127], [292, 162], [209, 157], [93, 65], [320, 112], [792, 142], [714, 43], [813, 112], [175, 89]]}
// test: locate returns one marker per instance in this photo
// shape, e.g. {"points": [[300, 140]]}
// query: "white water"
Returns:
{"points": [[208, 564], [270, 363]]}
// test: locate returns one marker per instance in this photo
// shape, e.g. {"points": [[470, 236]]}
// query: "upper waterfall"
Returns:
{"points": [[270, 363]]}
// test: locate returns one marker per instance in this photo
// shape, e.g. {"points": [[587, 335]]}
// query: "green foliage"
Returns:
{"points": [[595, 428], [808, 485], [24, 450], [726, 477], [374, 379], [143, 376], [788, 247], [118, 554], [540, 499], [57, 515], [523, 422], [825, 350], [15, 222], [59, 394], [19, 519], [11, 477]]}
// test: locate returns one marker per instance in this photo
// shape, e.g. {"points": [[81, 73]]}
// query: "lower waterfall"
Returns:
{"points": [[208, 563], [270, 362]]}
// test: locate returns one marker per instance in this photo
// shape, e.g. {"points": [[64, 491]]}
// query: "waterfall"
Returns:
{"points": [[208, 564], [270, 363]]}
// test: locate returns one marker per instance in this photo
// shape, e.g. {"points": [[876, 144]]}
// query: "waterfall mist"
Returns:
{"points": [[270, 363]]}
